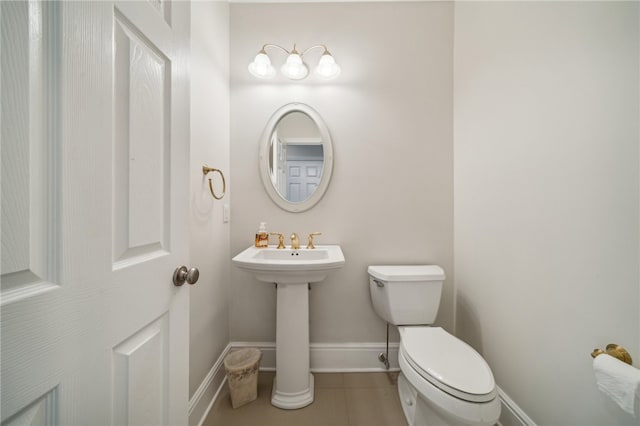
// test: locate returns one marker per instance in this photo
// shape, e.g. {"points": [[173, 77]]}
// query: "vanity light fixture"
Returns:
{"points": [[294, 67]]}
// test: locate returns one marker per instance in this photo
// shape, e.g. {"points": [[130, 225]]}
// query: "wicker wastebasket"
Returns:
{"points": [[242, 374]]}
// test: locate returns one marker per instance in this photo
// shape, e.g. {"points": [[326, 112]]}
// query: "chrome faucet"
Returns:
{"points": [[295, 242]]}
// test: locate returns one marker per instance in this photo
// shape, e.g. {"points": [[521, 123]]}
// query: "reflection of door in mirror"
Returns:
{"points": [[303, 167], [296, 157]]}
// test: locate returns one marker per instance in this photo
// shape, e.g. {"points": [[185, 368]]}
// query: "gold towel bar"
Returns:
{"points": [[205, 170], [615, 351]]}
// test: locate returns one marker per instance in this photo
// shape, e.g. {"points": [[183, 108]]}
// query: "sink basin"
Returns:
{"points": [[289, 266]]}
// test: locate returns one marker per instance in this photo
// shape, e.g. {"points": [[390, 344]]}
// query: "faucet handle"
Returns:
{"points": [[280, 239], [311, 235]]}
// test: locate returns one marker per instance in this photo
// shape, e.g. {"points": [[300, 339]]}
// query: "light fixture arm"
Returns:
{"points": [[263, 50], [322, 46], [294, 50]]}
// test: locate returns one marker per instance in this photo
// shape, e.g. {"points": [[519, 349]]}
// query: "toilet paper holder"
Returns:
{"points": [[615, 351]]}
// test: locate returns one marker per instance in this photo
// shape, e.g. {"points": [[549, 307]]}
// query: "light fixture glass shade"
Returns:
{"points": [[261, 66], [327, 67], [294, 68]]}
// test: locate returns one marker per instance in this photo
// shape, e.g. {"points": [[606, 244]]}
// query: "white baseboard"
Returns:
{"points": [[325, 358], [332, 357], [207, 392], [511, 414], [351, 357]]}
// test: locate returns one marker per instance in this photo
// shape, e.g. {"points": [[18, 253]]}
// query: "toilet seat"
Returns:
{"points": [[447, 363]]}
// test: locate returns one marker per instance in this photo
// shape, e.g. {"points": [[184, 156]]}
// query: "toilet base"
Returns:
{"points": [[420, 412], [416, 411]]}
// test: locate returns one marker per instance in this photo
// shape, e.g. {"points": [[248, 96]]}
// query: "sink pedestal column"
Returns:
{"points": [[293, 384]]}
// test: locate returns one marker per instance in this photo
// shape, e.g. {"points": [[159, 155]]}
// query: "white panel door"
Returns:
{"points": [[94, 185]]}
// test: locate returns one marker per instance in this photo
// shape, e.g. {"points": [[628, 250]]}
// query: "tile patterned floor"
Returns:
{"points": [[341, 399]]}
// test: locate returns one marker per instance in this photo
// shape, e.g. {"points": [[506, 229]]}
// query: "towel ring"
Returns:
{"points": [[205, 170], [615, 351]]}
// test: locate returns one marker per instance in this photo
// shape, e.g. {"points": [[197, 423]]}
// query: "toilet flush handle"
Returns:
{"points": [[378, 283]]}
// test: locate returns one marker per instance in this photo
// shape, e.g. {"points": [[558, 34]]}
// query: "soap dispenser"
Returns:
{"points": [[262, 237]]}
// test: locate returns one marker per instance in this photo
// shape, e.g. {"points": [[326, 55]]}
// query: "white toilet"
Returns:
{"points": [[443, 380]]}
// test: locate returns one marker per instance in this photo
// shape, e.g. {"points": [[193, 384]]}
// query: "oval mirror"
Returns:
{"points": [[296, 157]]}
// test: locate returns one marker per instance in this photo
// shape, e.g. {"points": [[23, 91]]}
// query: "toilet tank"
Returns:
{"points": [[406, 294]]}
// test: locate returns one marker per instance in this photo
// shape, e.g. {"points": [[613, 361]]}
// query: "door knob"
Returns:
{"points": [[182, 274]]}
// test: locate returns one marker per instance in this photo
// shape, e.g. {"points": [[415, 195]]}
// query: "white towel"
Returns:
{"points": [[618, 380]]}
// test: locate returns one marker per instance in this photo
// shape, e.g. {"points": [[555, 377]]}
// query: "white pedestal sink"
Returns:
{"points": [[292, 271]]}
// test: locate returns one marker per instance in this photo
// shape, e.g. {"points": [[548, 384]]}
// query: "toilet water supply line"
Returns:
{"points": [[384, 356]]}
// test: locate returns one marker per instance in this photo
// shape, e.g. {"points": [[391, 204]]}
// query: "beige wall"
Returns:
{"points": [[546, 197], [209, 326], [390, 116]]}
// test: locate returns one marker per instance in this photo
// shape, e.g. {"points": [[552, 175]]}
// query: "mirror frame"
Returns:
{"points": [[327, 168]]}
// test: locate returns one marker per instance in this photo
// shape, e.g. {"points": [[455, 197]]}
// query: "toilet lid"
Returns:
{"points": [[407, 273], [448, 363]]}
